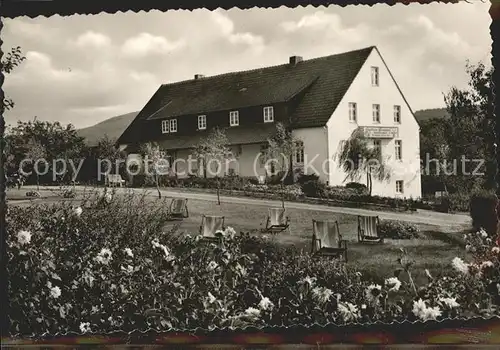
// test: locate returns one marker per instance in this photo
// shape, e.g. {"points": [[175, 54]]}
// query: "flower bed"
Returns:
{"points": [[110, 265]]}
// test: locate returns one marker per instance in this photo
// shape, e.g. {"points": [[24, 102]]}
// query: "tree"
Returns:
{"points": [[471, 128], [435, 152], [357, 157], [213, 147], [36, 151], [106, 150], [282, 145], [155, 163], [7, 64], [10, 61], [64, 148]]}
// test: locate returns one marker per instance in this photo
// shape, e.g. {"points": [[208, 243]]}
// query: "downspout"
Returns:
{"points": [[328, 154]]}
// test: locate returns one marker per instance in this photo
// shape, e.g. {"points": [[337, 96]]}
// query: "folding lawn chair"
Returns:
{"points": [[178, 208], [327, 240], [277, 221], [368, 229], [210, 224]]}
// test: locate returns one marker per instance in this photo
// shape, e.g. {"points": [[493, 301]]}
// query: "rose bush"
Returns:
{"points": [[109, 264]]}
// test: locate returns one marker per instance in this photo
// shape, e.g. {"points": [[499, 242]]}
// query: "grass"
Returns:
{"points": [[434, 250]]}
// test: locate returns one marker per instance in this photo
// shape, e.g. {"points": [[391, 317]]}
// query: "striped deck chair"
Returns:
{"points": [[277, 221], [368, 229], [210, 224], [327, 240], [178, 208]]}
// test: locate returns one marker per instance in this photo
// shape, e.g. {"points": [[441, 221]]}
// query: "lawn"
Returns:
{"points": [[433, 250]]}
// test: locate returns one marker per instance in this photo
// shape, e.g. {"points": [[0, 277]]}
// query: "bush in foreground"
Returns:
{"points": [[483, 212], [110, 265], [398, 229]]}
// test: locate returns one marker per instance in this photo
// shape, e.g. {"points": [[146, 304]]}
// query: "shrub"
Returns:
{"points": [[314, 188], [483, 212], [357, 186], [398, 230], [278, 178], [33, 194], [459, 202], [303, 178], [69, 193]]}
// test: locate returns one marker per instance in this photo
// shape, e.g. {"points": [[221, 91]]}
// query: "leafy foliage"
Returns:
{"points": [[357, 158], [107, 149], [467, 133], [483, 208], [35, 151], [398, 230], [10, 61], [53, 140]]}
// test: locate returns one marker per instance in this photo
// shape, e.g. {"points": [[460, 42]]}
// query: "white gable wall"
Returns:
{"points": [[387, 95]]}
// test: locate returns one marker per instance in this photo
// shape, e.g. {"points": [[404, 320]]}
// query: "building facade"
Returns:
{"points": [[323, 101]]}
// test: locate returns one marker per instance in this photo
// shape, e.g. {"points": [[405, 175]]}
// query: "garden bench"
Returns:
{"points": [[210, 224], [327, 240], [368, 229], [178, 208], [114, 179], [276, 221]]}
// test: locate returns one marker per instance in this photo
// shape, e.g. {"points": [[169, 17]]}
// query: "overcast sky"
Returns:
{"points": [[84, 69]]}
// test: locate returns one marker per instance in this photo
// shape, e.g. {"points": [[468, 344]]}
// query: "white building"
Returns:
{"points": [[322, 100]]}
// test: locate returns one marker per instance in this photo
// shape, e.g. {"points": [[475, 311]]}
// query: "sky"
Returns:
{"points": [[85, 69]]}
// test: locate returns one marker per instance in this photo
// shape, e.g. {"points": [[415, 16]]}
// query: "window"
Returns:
{"points": [[375, 76], [399, 186], [202, 122], [399, 149], [299, 152], [234, 118], [164, 127], [376, 113], [268, 114], [397, 114], [173, 125], [353, 112]]}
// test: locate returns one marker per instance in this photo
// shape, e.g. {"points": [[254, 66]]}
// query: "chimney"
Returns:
{"points": [[295, 59], [199, 76]]}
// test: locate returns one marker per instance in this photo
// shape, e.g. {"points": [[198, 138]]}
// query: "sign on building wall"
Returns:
{"points": [[379, 132]]}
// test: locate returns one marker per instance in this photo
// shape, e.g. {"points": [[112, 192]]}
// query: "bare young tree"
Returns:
{"points": [[214, 147], [282, 146], [156, 163]]}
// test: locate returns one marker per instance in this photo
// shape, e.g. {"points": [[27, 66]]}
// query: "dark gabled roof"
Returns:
{"points": [[228, 91], [241, 135], [324, 81]]}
